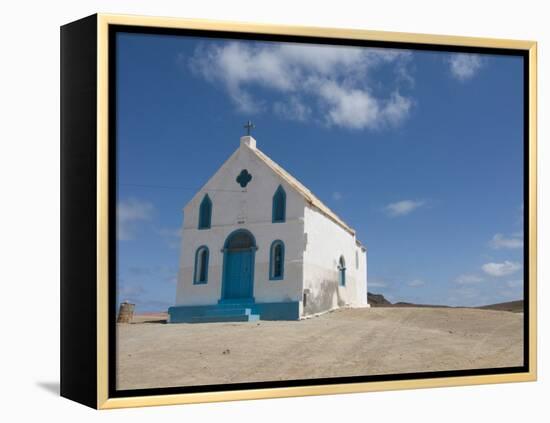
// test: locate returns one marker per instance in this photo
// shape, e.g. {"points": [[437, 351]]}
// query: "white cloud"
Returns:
{"points": [[129, 213], [465, 66], [337, 196], [467, 292], [377, 283], [331, 84], [511, 294], [416, 282], [468, 279], [172, 236], [396, 108], [500, 241], [139, 270], [293, 109], [501, 269], [402, 208], [131, 292], [170, 232], [515, 283], [357, 109]]}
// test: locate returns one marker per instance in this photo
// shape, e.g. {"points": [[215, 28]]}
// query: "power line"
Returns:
{"points": [[175, 187]]}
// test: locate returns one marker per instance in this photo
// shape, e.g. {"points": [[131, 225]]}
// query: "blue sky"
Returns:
{"points": [[420, 152]]}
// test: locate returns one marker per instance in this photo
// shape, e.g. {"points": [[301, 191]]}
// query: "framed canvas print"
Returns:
{"points": [[257, 211]]}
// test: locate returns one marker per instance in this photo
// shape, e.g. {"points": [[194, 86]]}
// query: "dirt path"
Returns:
{"points": [[342, 343]]}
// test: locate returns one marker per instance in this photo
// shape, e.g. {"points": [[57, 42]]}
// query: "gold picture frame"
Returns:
{"points": [[98, 27]]}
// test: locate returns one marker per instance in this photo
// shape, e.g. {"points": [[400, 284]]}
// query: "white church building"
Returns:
{"points": [[257, 244]]}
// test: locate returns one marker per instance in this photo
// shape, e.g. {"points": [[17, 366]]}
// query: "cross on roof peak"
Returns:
{"points": [[249, 126]]}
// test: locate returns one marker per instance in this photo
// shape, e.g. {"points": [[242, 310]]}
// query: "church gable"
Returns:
{"points": [[245, 189], [242, 161]]}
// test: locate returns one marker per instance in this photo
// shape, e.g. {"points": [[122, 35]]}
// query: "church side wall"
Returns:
{"points": [[326, 242]]}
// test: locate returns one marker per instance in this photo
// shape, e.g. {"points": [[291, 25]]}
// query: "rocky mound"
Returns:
{"points": [[377, 300]]}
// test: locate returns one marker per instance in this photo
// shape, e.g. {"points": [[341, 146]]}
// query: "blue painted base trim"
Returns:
{"points": [[289, 310], [246, 301], [235, 312]]}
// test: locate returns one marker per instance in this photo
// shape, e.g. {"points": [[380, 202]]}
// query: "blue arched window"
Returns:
{"points": [[342, 271], [205, 213], [279, 205], [277, 260], [200, 274]]}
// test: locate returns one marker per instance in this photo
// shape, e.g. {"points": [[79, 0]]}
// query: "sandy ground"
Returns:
{"points": [[347, 342]]}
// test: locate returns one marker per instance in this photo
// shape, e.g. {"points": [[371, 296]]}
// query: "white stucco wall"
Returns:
{"points": [[249, 208], [326, 242]]}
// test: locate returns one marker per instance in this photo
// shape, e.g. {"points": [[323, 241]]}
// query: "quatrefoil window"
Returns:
{"points": [[244, 178]]}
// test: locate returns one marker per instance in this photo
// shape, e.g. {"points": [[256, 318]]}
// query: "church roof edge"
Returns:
{"points": [[311, 198]]}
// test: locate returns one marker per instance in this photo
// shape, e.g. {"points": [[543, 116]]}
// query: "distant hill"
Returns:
{"points": [[513, 306], [377, 300]]}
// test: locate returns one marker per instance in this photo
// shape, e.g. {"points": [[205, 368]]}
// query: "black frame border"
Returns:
{"points": [[78, 213]]}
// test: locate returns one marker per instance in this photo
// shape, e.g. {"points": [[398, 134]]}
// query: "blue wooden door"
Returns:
{"points": [[238, 274]]}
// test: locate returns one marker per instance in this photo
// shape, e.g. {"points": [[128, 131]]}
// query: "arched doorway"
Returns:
{"points": [[238, 266]]}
